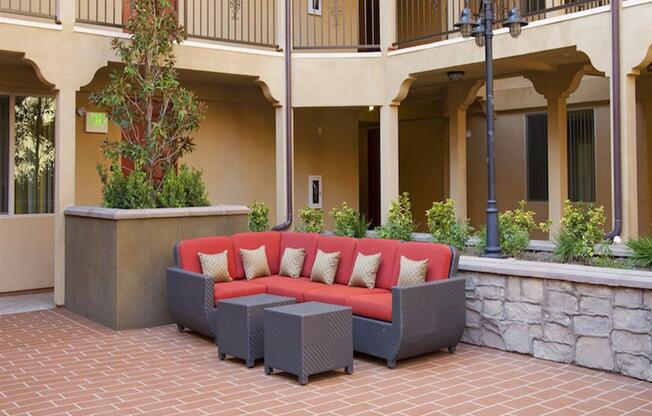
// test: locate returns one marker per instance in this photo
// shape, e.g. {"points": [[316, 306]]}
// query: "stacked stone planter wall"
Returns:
{"points": [[564, 313]]}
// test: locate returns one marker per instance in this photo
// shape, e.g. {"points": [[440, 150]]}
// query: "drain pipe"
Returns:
{"points": [[615, 115], [288, 117]]}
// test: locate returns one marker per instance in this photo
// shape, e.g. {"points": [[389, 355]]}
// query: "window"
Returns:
{"points": [[537, 157], [581, 156], [4, 154], [314, 7], [27, 131]]}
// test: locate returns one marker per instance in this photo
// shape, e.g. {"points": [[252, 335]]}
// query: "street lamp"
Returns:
{"points": [[482, 31]]}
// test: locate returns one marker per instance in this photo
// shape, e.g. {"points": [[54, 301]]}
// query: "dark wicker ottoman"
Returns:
{"points": [[308, 338], [241, 329]]}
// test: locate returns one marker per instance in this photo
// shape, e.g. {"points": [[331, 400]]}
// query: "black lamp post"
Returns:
{"points": [[482, 30]]}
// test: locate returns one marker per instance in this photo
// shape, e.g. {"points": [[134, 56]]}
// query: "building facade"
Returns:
{"points": [[374, 110]]}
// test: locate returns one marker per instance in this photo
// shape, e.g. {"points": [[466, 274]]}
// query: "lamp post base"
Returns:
{"points": [[493, 253]]}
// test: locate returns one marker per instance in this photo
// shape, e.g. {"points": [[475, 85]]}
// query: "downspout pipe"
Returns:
{"points": [[616, 120], [288, 118]]}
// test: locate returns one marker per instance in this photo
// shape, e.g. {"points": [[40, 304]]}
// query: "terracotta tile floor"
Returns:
{"points": [[54, 362]]}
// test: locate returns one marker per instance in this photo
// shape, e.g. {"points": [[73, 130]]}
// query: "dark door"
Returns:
{"points": [[373, 173], [369, 20]]}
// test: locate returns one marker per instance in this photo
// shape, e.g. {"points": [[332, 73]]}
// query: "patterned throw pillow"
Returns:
{"points": [[255, 262], [325, 267], [215, 266], [412, 272], [365, 270], [292, 262]]}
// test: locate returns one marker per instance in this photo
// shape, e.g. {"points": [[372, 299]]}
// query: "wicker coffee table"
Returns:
{"points": [[240, 326], [308, 338]]}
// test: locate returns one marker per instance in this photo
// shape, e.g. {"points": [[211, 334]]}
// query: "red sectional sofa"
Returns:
{"points": [[389, 322]]}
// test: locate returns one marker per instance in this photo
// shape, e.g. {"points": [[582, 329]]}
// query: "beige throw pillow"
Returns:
{"points": [[325, 267], [254, 262], [365, 270], [292, 262], [215, 266], [412, 272]]}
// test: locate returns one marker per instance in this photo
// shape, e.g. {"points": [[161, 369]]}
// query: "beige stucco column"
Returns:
{"points": [[387, 24], [556, 87], [629, 156], [389, 161], [281, 164], [460, 96], [64, 184]]}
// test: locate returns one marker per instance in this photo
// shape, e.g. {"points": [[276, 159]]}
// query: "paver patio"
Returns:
{"points": [[55, 362]]}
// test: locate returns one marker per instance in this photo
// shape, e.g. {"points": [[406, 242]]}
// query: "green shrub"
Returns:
{"points": [[399, 224], [581, 229], [183, 189], [514, 228], [131, 191], [312, 220], [348, 222], [444, 227], [642, 248], [258, 217]]}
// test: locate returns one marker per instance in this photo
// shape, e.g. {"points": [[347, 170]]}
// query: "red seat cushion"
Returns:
{"points": [[307, 241], [346, 247], [237, 288], [376, 306], [250, 241], [388, 250], [337, 294], [187, 250], [439, 259], [287, 286]]}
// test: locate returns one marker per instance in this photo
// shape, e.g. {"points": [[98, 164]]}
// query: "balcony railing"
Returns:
{"points": [[36, 8], [251, 22], [336, 24], [102, 12], [426, 21]]}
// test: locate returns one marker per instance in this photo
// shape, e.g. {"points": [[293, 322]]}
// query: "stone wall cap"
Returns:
{"points": [[639, 279], [133, 214]]}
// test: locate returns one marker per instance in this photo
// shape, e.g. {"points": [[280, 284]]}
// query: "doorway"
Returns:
{"points": [[370, 174]]}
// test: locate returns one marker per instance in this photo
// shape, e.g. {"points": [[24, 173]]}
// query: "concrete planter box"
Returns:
{"points": [[116, 259]]}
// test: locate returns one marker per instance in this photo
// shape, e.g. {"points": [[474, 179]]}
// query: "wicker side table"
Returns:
{"points": [[308, 338], [241, 329]]}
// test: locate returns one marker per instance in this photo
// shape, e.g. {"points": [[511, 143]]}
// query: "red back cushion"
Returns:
{"points": [[438, 255], [307, 241], [187, 250], [346, 247], [388, 250], [250, 241]]}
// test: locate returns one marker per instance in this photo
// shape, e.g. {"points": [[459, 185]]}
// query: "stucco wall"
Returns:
{"points": [[333, 154], [423, 156], [26, 252]]}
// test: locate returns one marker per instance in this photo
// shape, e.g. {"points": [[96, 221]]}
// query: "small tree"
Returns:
{"points": [[144, 98]]}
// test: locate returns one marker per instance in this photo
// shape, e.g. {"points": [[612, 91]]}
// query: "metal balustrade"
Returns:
{"points": [[36, 8], [251, 22], [336, 24], [102, 12], [425, 21]]}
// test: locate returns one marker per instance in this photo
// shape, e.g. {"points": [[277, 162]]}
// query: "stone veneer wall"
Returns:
{"points": [[602, 327]]}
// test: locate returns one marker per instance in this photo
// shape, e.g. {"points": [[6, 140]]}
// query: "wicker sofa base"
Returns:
{"points": [[424, 318]]}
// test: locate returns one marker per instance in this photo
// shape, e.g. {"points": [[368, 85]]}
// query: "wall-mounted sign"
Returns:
{"points": [[97, 122], [315, 192]]}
